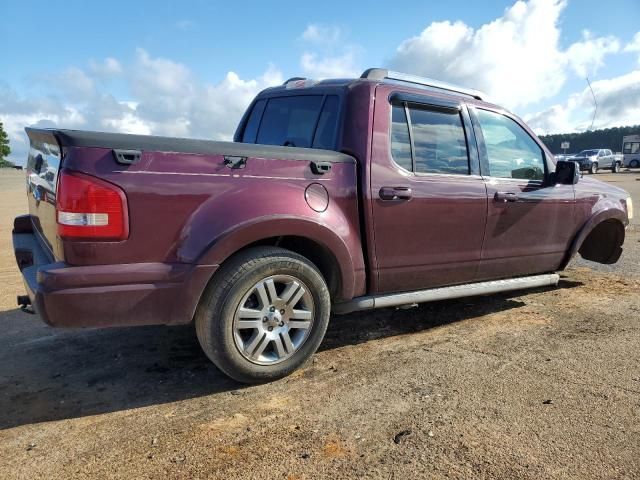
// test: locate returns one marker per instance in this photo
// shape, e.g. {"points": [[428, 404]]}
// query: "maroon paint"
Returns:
{"points": [[433, 239], [189, 212]]}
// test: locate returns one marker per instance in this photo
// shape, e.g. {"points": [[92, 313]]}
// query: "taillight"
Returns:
{"points": [[90, 209]]}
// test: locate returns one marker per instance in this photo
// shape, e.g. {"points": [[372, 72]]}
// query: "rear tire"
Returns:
{"points": [[593, 169], [262, 283], [615, 168]]}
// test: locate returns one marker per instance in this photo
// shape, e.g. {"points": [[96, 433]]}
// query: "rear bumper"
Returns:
{"points": [[106, 295]]}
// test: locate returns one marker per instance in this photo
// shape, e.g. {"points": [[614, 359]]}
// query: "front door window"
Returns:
{"points": [[511, 151]]}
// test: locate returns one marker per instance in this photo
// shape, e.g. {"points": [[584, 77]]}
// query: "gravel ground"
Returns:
{"points": [[543, 384]]}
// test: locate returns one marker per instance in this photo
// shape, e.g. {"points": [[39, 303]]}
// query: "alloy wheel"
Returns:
{"points": [[273, 319]]}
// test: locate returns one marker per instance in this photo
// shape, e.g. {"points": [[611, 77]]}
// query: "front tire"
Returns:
{"points": [[263, 315], [593, 169], [634, 164]]}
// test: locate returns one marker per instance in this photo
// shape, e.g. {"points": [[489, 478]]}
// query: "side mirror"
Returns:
{"points": [[567, 173]]}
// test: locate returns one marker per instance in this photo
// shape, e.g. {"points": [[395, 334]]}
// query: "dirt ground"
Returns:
{"points": [[542, 384]]}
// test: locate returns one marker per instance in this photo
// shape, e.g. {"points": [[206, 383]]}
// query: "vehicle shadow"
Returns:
{"points": [[50, 374]]}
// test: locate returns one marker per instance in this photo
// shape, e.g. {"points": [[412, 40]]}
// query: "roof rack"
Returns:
{"points": [[383, 73]]}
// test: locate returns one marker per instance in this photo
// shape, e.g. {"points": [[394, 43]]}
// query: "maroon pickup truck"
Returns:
{"points": [[336, 195]]}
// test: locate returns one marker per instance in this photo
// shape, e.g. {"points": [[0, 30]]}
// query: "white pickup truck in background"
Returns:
{"points": [[596, 159]]}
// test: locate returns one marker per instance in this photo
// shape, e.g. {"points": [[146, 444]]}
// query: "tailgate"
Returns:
{"points": [[42, 178]]}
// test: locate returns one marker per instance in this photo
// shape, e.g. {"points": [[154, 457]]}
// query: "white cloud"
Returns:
{"points": [[322, 34], [634, 45], [74, 84], [165, 99], [340, 66], [109, 67], [329, 56], [516, 58], [618, 104], [587, 56]]}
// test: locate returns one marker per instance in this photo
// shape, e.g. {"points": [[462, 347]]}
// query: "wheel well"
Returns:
{"points": [[603, 243], [316, 253]]}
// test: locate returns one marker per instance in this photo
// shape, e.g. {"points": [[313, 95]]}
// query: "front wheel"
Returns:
{"points": [[593, 169], [634, 163], [263, 315]]}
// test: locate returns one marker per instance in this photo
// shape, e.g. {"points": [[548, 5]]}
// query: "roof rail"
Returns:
{"points": [[293, 79], [383, 73]]}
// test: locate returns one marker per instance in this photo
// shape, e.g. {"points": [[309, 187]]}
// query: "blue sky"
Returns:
{"points": [[164, 67]]}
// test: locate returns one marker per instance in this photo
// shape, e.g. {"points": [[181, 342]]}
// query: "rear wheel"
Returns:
{"points": [[616, 167], [263, 315], [593, 169]]}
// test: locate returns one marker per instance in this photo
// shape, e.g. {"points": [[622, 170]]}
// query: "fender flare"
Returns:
{"points": [[593, 221], [349, 262]]}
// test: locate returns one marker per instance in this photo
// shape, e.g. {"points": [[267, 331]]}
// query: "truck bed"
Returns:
{"points": [[191, 203]]}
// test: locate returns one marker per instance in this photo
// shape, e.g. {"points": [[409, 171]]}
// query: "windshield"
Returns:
{"points": [[587, 153]]}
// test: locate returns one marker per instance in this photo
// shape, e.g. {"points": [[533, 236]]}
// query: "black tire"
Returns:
{"points": [[634, 163], [593, 169], [236, 277], [615, 168]]}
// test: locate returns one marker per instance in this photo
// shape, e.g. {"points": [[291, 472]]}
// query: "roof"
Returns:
{"points": [[381, 75]]}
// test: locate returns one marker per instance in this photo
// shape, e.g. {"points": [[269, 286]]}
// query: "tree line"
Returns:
{"points": [[4, 148], [610, 138]]}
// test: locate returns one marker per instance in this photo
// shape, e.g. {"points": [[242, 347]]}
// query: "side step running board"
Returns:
{"points": [[445, 293]]}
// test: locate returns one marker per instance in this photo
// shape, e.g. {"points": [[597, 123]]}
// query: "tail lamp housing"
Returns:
{"points": [[88, 208]]}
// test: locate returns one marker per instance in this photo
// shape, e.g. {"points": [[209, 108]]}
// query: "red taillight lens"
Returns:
{"points": [[89, 208]]}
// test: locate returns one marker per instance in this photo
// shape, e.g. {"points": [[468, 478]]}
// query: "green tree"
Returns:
{"points": [[610, 138], [5, 150]]}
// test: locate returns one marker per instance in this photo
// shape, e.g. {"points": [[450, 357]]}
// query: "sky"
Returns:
{"points": [[190, 68]]}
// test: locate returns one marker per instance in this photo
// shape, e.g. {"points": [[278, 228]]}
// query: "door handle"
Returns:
{"points": [[395, 193], [505, 197]]}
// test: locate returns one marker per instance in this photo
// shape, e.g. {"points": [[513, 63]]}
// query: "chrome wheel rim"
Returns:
{"points": [[273, 319]]}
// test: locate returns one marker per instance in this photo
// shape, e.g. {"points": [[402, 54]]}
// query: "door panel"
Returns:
{"points": [[431, 236], [530, 223], [433, 239], [527, 234]]}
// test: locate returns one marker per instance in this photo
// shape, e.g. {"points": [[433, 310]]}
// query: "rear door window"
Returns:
{"points": [[296, 121], [429, 140], [400, 140], [439, 142]]}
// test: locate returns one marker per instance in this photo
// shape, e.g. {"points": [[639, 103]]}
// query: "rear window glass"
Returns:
{"points": [[251, 130], [326, 131], [296, 121]]}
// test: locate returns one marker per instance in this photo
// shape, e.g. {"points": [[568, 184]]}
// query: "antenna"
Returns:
{"points": [[595, 104]]}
